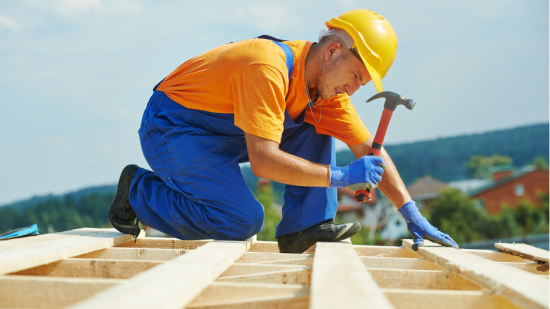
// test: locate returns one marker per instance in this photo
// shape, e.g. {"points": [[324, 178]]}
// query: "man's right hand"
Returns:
{"points": [[366, 170]]}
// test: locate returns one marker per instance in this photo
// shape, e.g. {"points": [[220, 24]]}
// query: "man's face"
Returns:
{"points": [[342, 72]]}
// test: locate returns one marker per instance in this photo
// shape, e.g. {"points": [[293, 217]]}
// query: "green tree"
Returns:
{"points": [[455, 214], [271, 217], [502, 225], [541, 163], [530, 218], [480, 166]]}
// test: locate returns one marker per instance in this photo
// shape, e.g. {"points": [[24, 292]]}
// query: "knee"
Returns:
{"points": [[254, 223], [248, 225]]}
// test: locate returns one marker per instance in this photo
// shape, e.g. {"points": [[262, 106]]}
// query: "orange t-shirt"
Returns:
{"points": [[250, 79]]}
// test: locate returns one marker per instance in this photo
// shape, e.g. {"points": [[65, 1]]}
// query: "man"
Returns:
{"points": [[278, 105]]}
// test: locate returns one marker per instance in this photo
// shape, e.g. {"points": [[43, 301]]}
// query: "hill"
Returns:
{"points": [[444, 158]]}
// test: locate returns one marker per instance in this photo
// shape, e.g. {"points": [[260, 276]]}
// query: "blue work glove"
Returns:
{"points": [[420, 228], [366, 170]]}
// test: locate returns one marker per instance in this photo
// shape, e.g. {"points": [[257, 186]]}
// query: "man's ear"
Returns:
{"points": [[331, 49]]}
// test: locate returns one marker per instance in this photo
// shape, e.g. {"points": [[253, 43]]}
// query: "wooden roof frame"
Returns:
{"points": [[101, 268]]}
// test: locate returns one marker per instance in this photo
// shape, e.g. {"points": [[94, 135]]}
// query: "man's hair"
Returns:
{"points": [[327, 39]]}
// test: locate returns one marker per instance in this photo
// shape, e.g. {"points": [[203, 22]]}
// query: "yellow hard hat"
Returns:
{"points": [[374, 38]]}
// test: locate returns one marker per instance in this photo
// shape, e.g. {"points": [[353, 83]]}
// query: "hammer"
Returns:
{"points": [[393, 99]]}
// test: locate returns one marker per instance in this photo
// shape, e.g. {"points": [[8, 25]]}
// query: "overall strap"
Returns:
{"points": [[289, 55]]}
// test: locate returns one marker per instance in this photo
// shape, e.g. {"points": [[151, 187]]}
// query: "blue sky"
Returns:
{"points": [[75, 75]]}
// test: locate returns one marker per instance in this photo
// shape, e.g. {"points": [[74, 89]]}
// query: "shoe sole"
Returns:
{"points": [[120, 195], [352, 230]]}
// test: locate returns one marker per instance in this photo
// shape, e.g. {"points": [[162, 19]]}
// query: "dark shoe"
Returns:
{"points": [[328, 231], [121, 213]]}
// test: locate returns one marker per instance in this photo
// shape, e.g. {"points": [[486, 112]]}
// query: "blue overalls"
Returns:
{"points": [[197, 191]]}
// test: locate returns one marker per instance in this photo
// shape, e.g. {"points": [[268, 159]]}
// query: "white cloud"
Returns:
{"points": [[9, 23]]}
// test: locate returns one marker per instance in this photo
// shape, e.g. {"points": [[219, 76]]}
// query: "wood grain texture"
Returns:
{"points": [[525, 251], [229, 291], [24, 255], [47, 292], [239, 269], [383, 251], [398, 263], [289, 301], [142, 254], [444, 299], [296, 276], [340, 280], [421, 279], [90, 268], [165, 243], [260, 257], [521, 288], [173, 284]]}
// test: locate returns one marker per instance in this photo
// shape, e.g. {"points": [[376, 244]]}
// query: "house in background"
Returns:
{"points": [[425, 190], [510, 187]]}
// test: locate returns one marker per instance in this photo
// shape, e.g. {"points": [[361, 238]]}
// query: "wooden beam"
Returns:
{"points": [[444, 299], [382, 251], [134, 254], [527, 252], [90, 268], [421, 279], [496, 256], [297, 276], [165, 243], [47, 292], [522, 288], [340, 280], [247, 269], [300, 261], [398, 263], [289, 301], [228, 291], [35, 254], [529, 267], [172, 284], [273, 247], [260, 257]]}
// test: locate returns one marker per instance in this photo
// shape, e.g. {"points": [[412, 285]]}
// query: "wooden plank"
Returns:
{"points": [[528, 267], [47, 292], [227, 291], [141, 254], [174, 283], [296, 276], [522, 288], [247, 269], [421, 279], [273, 247], [444, 299], [340, 280], [258, 257], [165, 243], [383, 251], [398, 263], [290, 301], [26, 256], [527, 252], [90, 268], [301, 261], [496, 256]]}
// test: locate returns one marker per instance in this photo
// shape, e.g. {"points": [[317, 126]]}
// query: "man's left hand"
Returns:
{"points": [[420, 228]]}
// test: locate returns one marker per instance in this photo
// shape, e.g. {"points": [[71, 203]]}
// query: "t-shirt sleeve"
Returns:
{"points": [[258, 92], [338, 119]]}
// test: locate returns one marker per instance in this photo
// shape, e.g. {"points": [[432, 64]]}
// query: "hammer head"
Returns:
{"points": [[393, 99]]}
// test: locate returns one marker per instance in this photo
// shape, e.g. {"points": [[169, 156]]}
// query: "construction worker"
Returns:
{"points": [[278, 105]]}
